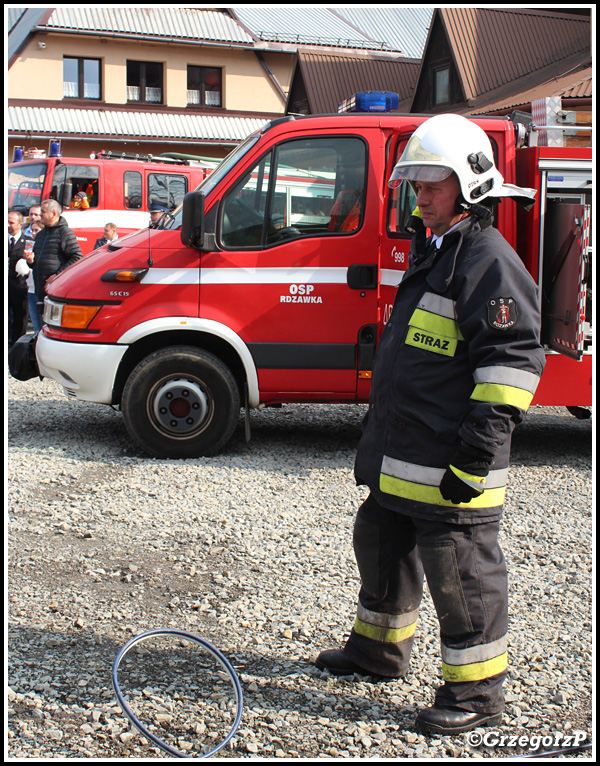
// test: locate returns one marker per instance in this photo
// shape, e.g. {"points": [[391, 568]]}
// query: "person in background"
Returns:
{"points": [[55, 247], [156, 213], [35, 213], [36, 320], [111, 233], [80, 201], [17, 274]]}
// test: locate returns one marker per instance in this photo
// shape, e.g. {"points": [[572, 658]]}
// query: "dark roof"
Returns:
{"points": [[495, 47], [571, 92], [498, 53], [328, 79]]}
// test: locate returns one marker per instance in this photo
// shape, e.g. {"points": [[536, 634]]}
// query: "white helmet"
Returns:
{"points": [[450, 143]]}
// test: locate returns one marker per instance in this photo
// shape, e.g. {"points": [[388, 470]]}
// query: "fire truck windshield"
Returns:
{"points": [[25, 184], [217, 175]]}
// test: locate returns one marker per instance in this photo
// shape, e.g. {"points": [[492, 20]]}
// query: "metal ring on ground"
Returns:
{"points": [[224, 662]]}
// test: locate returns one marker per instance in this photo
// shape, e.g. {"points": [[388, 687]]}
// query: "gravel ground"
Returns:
{"points": [[251, 550]]}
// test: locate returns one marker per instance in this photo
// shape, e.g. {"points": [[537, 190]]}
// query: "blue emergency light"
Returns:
{"points": [[370, 101], [18, 154]]}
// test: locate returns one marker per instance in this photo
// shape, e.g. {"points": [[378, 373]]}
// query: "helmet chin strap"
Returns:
{"points": [[478, 211]]}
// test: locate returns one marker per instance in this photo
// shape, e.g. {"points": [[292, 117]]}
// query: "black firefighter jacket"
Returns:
{"points": [[459, 360], [55, 248]]}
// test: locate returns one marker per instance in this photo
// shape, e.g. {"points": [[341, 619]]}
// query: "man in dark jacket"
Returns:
{"points": [[17, 278], [55, 248], [456, 369]]}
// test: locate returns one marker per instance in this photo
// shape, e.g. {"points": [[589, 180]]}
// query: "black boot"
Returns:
{"points": [[336, 662], [441, 720]]}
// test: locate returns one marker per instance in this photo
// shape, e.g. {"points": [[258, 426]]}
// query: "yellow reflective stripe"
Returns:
{"points": [[489, 498], [497, 393], [435, 323], [475, 671], [383, 633]]}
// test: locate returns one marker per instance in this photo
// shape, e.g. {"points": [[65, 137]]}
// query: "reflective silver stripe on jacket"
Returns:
{"points": [[437, 304], [420, 474], [507, 376]]}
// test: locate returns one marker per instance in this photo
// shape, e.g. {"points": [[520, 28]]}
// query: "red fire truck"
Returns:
{"points": [[119, 187], [272, 282]]}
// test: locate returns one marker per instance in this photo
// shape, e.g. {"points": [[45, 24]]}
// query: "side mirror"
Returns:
{"points": [[192, 221], [65, 194]]}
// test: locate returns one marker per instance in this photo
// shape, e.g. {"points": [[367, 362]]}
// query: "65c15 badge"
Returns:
{"points": [[502, 313]]}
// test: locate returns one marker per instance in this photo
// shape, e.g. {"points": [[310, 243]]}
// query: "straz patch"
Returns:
{"points": [[429, 341], [502, 313]]}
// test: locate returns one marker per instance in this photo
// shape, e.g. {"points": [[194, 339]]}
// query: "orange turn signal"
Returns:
{"points": [[78, 317], [124, 275]]}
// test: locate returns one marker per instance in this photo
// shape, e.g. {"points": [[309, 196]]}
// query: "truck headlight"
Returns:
{"points": [[69, 316]]}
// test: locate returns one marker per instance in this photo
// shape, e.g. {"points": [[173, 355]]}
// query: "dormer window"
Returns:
{"points": [[441, 86]]}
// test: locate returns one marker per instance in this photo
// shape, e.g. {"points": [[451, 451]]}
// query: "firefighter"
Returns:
{"points": [[456, 369]]}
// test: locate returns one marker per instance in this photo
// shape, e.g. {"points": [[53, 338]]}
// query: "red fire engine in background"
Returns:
{"points": [[119, 187], [273, 281]]}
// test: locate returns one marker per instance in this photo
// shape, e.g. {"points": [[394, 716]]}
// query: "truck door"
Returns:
{"points": [[296, 277], [566, 270], [396, 239]]}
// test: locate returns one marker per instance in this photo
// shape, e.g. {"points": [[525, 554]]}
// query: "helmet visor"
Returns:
{"points": [[418, 164], [424, 173]]}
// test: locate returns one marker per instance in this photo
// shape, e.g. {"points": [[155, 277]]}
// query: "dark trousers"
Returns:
{"points": [[17, 315], [466, 575]]}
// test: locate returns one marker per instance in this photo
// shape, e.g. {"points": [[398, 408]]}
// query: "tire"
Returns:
{"points": [[181, 402]]}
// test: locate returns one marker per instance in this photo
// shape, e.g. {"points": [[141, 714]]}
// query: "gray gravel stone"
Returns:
{"points": [[252, 551]]}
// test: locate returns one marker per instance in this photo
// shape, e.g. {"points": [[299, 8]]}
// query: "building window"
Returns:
{"points": [[441, 86], [81, 78], [145, 82], [204, 86]]}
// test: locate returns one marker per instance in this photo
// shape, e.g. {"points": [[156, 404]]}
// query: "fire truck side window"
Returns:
{"points": [[166, 189], [132, 190], [403, 201], [305, 187], [69, 180]]}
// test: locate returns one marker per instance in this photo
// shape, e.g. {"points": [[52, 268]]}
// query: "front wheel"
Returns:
{"points": [[181, 402]]}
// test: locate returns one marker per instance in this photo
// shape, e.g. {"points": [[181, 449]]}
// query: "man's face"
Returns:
{"points": [[48, 218], [14, 225], [34, 214], [437, 202], [155, 215], [109, 233]]}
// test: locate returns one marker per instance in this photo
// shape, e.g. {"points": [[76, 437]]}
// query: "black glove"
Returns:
{"points": [[465, 476]]}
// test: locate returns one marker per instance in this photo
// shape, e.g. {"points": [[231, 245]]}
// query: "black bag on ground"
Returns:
{"points": [[22, 362]]}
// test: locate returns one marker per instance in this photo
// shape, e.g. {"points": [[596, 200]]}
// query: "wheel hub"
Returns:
{"points": [[180, 406]]}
